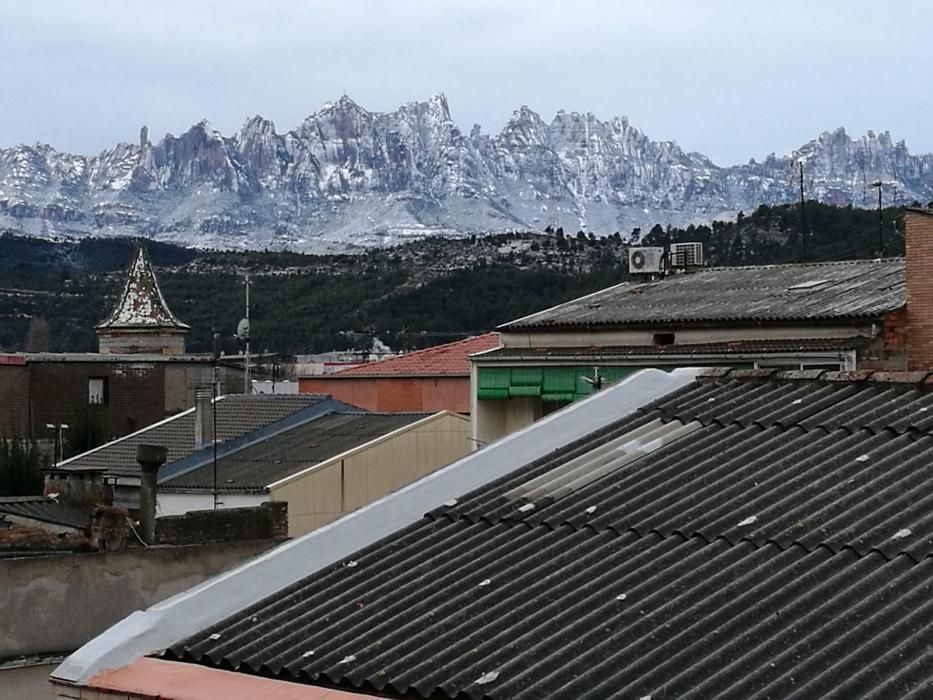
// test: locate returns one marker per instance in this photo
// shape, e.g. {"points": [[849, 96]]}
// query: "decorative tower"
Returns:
{"points": [[141, 321]]}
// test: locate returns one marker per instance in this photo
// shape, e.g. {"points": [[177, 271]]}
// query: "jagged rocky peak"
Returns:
{"points": [[346, 174]]}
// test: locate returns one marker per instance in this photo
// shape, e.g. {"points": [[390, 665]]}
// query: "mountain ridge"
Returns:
{"points": [[347, 177]]}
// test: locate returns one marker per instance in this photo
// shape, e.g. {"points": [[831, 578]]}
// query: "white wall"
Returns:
{"points": [[181, 503]]}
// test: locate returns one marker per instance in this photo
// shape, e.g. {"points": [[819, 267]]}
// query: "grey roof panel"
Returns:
{"points": [[237, 415], [781, 551], [46, 510], [282, 454], [184, 614], [854, 289]]}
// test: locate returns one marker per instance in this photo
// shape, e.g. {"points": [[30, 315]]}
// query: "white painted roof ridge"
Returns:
{"points": [[179, 617]]}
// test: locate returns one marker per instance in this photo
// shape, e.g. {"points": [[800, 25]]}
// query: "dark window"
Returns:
{"points": [[663, 338]]}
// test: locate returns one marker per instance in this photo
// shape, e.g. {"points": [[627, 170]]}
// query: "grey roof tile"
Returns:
{"points": [[850, 289]]}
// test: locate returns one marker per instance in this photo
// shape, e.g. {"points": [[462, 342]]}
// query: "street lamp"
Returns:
{"points": [[58, 452]]}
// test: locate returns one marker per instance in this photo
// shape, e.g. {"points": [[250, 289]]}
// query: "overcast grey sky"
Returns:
{"points": [[733, 79]]}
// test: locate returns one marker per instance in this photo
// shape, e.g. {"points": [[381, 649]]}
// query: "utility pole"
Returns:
{"points": [[248, 386], [803, 220], [880, 220], [214, 372]]}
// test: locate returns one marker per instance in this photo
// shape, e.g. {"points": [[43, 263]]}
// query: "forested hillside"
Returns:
{"points": [[52, 294]]}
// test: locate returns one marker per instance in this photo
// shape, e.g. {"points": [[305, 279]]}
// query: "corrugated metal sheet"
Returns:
{"points": [[46, 510], [257, 465], [237, 415], [782, 550], [736, 347], [858, 289]]}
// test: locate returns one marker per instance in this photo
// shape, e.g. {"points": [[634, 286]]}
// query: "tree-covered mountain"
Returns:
{"points": [[412, 295]]}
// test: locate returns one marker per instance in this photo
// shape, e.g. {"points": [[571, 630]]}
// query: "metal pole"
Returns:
{"points": [[880, 225], [247, 384], [214, 415], [803, 225]]}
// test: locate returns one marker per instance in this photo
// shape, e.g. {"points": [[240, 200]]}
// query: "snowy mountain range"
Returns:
{"points": [[346, 176]]}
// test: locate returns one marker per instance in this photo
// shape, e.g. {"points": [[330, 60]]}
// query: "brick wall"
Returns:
{"points": [[267, 521], [14, 399], [919, 269], [135, 394]]}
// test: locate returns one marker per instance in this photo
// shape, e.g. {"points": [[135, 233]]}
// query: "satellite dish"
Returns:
{"points": [[242, 329]]}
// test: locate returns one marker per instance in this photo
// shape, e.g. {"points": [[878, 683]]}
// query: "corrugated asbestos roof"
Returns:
{"points": [[277, 456], [801, 292], [735, 347], [46, 510], [449, 359], [237, 415], [780, 548]]}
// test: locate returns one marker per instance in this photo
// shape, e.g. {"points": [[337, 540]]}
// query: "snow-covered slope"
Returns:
{"points": [[346, 176]]}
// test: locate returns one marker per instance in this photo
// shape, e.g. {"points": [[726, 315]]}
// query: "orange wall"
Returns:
{"points": [[428, 394]]}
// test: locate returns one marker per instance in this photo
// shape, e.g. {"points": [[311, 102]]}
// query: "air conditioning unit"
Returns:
{"points": [[686, 254], [645, 260]]}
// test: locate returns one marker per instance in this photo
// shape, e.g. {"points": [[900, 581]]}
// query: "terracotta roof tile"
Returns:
{"points": [[447, 359]]}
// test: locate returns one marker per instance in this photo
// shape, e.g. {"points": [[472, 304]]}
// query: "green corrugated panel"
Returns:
{"points": [[494, 377], [524, 390], [559, 380], [526, 376], [570, 396], [492, 393]]}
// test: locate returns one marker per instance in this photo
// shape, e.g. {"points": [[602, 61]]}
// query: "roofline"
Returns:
{"points": [[920, 210], [149, 427], [556, 358], [505, 326], [707, 322], [365, 446], [204, 455], [348, 372], [399, 375], [178, 617]]}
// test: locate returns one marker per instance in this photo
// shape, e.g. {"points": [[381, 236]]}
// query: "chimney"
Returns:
{"points": [[150, 458], [203, 419], [918, 232]]}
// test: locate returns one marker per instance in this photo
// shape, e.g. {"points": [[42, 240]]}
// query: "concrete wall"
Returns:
{"points": [[332, 489], [57, 603], [415, 394], [683, 336], [181, 503], [27, 682]]}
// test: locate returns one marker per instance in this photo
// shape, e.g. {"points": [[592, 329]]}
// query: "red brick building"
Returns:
{"points": [[434, 379]]}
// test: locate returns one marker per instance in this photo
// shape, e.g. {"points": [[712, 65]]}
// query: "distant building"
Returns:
{"points": [[324, 463], [141, 321], [832, 316], [140, 375], [434, 379], [182, 435]]}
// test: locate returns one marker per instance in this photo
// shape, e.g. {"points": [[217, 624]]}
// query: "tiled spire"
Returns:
{"points": [[141, 305]]}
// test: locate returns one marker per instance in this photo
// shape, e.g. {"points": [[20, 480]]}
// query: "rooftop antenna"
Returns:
{"points": [[803, 217], [242, 332], [215, 357]]}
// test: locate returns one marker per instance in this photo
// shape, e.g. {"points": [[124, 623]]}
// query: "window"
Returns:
{"points": [[97, 390], [663, 338]]}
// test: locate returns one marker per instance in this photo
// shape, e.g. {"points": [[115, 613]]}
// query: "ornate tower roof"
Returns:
{"points": [[141, 306]]}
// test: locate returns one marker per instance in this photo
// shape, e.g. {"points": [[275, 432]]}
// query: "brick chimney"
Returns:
{"points": [[918, 226]]}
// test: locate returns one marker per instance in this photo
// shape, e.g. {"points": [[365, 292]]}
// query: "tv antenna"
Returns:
{"points": [[242, 332]]}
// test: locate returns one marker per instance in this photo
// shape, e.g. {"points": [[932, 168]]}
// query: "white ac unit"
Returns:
{"points": [[645, 260], [687, 254]]}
